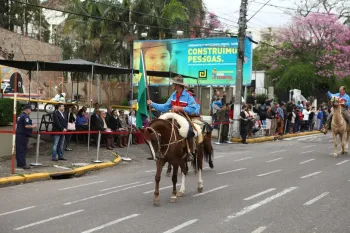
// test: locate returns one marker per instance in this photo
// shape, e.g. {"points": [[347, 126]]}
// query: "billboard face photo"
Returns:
{"points": [[211, 60]]}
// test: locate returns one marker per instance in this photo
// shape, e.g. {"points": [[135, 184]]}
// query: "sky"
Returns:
{"points": [[269, 16]]}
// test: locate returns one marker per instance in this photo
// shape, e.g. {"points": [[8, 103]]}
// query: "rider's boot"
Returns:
{"points": [[190, 149]]}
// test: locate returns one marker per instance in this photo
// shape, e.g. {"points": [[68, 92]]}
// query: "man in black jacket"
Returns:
{"points": [[60, 124]]}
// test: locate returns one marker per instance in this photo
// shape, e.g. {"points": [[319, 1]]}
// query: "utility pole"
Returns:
{"points": [[240, 60]]}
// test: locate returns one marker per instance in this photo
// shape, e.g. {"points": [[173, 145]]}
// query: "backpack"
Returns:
{"points": [[300, 115]]}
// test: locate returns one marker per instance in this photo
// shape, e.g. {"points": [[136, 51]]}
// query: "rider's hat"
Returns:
{"points": [[179, 80]]}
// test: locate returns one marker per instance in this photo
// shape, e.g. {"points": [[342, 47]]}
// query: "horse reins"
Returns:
{"points": [[162, 155]]}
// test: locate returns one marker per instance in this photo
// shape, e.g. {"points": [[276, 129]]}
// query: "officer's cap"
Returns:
{"points": [[27, 106]]}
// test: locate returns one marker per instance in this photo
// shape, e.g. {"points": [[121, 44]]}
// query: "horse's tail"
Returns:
{"points": [[208, 149]]}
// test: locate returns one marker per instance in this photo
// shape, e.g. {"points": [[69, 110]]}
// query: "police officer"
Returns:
{"points": [[23, 132]]}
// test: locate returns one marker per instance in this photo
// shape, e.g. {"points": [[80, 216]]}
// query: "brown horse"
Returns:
{"points": [[167, 145]]}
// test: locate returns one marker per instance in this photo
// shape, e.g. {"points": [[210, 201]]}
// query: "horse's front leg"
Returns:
{"points": [[342, 137], [174, 179], [160, 163], [181, 193], [200, 181], [347, 142], [335, 154]]}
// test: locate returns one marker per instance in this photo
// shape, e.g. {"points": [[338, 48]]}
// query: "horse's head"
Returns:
{"points": [[336, 102], [157, 133]]}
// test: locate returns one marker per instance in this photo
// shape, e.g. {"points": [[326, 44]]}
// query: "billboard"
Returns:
{"points": [[212, 60]]}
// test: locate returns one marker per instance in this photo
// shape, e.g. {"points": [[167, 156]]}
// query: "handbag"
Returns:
{"points": [[71, 126]]}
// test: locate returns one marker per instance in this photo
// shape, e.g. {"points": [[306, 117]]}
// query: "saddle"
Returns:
{"points": [[185, 128]]}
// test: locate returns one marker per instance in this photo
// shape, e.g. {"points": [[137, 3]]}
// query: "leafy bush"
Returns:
{"points": [[124, 103], [261, 98], [6, 111]]}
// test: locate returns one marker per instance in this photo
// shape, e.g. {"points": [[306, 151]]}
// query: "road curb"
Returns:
{"points": [[28, 178], [273, 138]]}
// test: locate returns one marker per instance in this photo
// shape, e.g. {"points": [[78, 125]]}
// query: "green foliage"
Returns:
{"points": [[261, 98], [124, 103], [21, 15], [299, 76], [6, 113]]}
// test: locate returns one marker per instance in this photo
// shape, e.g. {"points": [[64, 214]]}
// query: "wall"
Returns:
{"points": [[28, 49]]}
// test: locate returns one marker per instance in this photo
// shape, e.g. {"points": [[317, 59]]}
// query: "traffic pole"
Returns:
{"points": [[14, 132], [219, 136], [240, 59], [98, 148], [38, 124], [14, 123]]}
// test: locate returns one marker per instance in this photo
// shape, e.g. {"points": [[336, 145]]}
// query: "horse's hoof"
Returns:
{"points": [[180, 194], [156, 202], [173, 199], [211, 165], [168, 173], [335, 156], [200, 189]]}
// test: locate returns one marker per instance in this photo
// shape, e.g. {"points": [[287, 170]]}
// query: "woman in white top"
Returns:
{"points": [[305, 126]]}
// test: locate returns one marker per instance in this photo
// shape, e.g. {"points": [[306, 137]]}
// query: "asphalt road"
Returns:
{"points": [[279, 187]]}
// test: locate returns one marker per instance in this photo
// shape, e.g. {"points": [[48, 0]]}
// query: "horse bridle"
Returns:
{"points": [[162, 155]]}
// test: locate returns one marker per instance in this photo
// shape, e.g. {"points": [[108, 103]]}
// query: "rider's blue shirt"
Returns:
{"points": [[345, 97], [186, 100]]}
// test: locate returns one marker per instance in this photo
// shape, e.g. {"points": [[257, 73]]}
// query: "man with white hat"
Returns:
{"points": [[180, 101]]}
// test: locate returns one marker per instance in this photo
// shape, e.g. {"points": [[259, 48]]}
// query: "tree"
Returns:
{"points": [[161, 15], [24, 16], [341, 8], [263, 51], [313, 48], [212, 23]]}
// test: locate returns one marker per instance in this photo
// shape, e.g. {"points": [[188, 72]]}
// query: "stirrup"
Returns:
{"points": [[190, 156], [324, 130]]}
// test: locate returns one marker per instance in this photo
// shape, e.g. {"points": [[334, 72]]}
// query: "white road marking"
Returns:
{"points": [[330, 147], [274, 152], [259, 230], [181, 226], [167, 187], [345, 161], [111, 223], [259, 194], [273, 160], [330, 140], [239, 169], [242, 159], [120, 186], [248, 209], [307, 161], [204, 168], [316, 198], [15, 211], [210, 191], [151, 171], [306, 152], [81, 185], [309, 146], [265, 174], [47, 220], [217, 157], [312, 174], [104, 194]]}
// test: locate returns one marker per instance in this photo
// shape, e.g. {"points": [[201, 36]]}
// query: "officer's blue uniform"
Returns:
{"points": [[22, 135]]}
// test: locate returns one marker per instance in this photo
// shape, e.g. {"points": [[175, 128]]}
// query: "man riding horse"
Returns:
{"points": [[346, 99], [180, 101]]}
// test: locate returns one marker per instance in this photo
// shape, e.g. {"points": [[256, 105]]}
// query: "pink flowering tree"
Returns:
{"points": [[318, 44], [212, 23]]}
